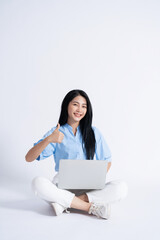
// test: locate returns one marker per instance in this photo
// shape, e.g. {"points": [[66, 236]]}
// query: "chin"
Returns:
{"points": [[77, 120]]}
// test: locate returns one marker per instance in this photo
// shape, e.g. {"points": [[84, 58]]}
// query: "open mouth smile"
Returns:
{"points": [[77, 115]]}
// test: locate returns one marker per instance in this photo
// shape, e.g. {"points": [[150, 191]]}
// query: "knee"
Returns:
{"points": [[37, 182]]}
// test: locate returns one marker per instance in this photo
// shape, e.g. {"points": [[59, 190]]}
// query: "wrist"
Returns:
{"points": [[48, 140]]}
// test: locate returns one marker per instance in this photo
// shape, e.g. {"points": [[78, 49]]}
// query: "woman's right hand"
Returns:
{"points": [[34, 152], [56, 136]]}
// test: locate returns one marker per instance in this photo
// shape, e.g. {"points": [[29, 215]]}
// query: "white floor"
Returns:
{"points": [[23, 216]]}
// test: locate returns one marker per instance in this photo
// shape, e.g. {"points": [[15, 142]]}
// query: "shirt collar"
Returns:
{"points": [[70, 127]]}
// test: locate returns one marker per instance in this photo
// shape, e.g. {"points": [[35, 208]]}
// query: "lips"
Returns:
{"points": [[77, 115]]}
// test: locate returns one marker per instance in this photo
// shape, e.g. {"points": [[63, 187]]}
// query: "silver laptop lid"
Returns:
{"points": [[82, 174]]}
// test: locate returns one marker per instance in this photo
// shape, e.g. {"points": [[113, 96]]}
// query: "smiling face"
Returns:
{"points": [[77, 109]]}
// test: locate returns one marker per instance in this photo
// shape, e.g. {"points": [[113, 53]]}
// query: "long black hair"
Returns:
{"points": [[87, 132]]}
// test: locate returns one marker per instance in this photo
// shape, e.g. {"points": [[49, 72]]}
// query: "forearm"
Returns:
{"points": [[108, 166], [34, 152]]}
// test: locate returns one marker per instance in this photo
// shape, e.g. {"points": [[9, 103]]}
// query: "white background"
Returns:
{"points": [[111, 50]]}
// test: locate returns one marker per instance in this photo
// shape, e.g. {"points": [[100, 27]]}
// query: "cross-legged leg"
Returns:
{"points": [[114, 191], [49, 192], [80, 204]]}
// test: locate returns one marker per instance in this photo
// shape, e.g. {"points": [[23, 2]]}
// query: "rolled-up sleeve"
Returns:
{"points": [[102, 150], [49, 150]]}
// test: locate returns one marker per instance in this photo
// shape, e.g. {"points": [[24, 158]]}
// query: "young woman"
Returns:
{"points": [[74, 137]]}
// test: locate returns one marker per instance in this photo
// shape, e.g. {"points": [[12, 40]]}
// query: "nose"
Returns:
{"points": [[79, 109]]}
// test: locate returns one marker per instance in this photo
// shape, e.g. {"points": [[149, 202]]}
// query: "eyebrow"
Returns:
{"points": [[78, 103]]}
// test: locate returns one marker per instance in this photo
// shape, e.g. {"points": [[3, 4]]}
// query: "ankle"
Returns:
{"points": [[89, 205], [84, 197]]}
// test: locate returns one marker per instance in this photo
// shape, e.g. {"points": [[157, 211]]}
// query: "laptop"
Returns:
{"points": [[82, 174]]}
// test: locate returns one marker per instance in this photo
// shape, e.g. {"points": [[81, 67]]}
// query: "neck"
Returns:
{"points": [[74, 125]]}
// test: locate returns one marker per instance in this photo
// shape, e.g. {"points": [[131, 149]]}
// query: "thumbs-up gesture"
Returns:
{"points": [[56, 136]]}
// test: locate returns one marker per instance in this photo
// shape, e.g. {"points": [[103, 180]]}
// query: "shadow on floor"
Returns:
{"points": [[40, 207], [29, 205]]}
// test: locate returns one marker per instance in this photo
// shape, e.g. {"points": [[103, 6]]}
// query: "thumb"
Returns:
{"points": [[58, 126]]}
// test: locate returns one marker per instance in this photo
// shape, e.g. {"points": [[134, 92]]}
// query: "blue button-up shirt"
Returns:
{"points": [[71, 146]]}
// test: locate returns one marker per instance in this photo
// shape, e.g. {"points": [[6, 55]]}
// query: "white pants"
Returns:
{"points": [[47, 190]]}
